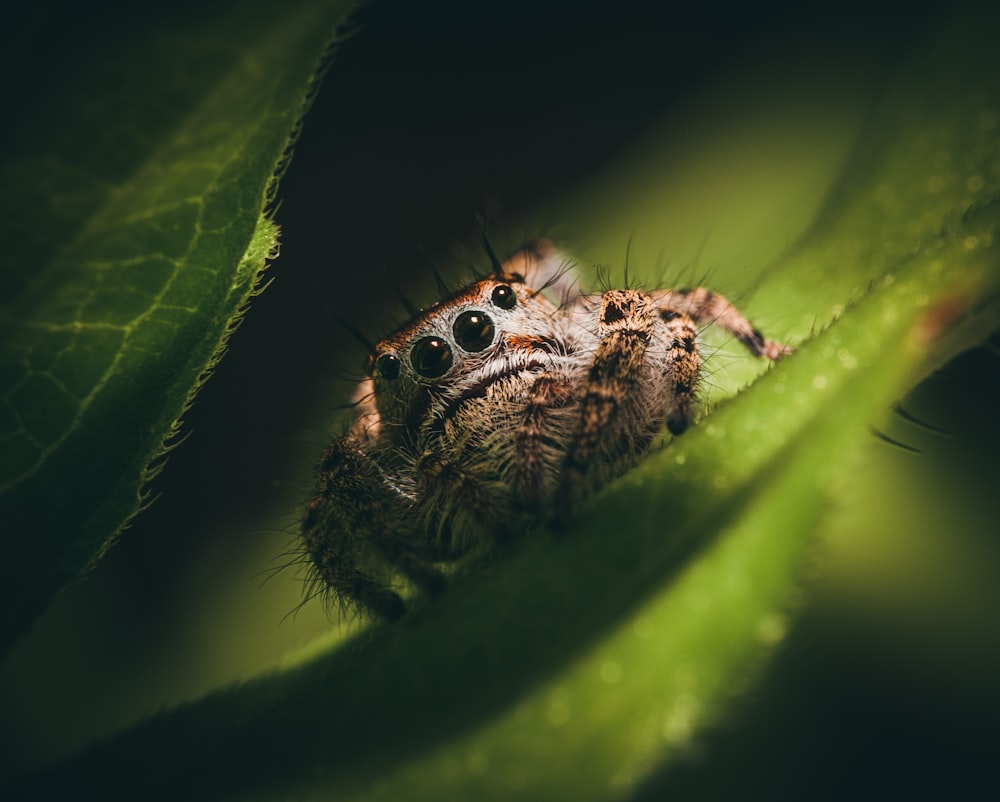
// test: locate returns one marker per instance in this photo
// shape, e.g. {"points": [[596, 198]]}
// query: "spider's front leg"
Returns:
{"points": [[464, 506], [646, 363], [357, 522]]}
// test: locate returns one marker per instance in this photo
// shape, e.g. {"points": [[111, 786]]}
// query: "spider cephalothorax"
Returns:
{"points": [[498, 407]]}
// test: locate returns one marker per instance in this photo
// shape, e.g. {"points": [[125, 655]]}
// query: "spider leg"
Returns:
{"points": [[611, 426], [705, 306], [538, 435], [460, 498], [681, 362], [643, 375], [355, 522]]}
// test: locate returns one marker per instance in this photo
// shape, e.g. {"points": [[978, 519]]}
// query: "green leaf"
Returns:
{"points": [[584, 662], [135, 228]]}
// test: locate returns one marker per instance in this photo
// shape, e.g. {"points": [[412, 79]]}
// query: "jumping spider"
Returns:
{"points": [[494, 408]]}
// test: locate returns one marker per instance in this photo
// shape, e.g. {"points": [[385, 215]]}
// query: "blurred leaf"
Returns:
{"points": [[135, 230], [583, 662]]}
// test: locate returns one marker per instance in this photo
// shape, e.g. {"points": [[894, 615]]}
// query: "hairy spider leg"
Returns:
{"points": [[606, 424], [459, 497], [352, 524], [681, 366], [539, 438], [705, 306]]}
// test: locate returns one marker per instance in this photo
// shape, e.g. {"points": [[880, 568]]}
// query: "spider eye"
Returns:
{"points": [[431, 357], [474, 330], [504, 297], [388, 366]]}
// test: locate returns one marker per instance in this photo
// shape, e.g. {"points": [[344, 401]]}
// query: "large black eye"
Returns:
{"points": [[504, 297], [388, 366], [473, 330], [431, 357]]}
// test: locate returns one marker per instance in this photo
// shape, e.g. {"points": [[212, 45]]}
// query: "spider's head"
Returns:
{"points": [[488, 329]]}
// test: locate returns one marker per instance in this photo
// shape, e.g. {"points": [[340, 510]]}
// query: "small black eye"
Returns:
{"points": [[474, 330], [504, 297], [388, 366], [431, 357]]}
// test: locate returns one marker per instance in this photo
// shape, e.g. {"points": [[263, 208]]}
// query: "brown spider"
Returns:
{"points": [[495, 408]]}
